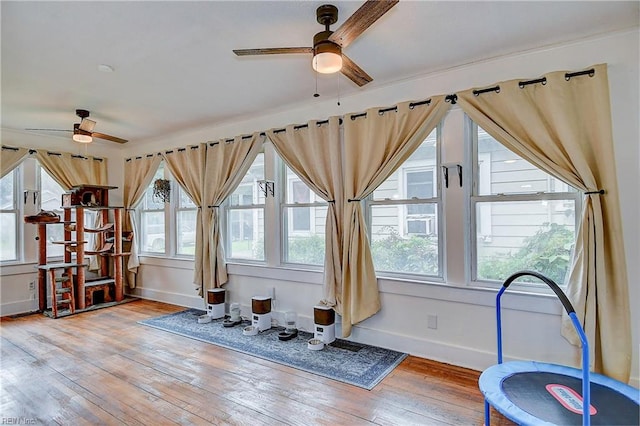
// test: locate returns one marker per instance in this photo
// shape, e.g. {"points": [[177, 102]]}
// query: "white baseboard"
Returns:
{"points": [[178, 299], [19, 307]]}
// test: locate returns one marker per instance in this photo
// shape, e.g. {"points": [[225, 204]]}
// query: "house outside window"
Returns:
{"points": [[152, 219], [403, 216], [521, 217], [9, 212], [186, 212], [245, 216], [304, 218]]}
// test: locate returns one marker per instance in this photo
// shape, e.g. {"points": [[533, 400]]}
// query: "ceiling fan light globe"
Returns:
{"points": [[327, 62], [77, 137]]}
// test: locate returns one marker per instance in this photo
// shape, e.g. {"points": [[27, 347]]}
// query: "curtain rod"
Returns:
{"points": [[567, 76], [452, 99]]}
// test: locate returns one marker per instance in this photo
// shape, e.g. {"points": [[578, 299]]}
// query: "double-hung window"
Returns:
{"points": [[521, 217], [51, 200], [304, 217], [186, 212], [152, 226], [9, 212], [245, 215], [403, 215]]}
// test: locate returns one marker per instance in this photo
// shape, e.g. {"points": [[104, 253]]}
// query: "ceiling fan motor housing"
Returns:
{"points": [[321, 43], [82, 113], [326, 15]]}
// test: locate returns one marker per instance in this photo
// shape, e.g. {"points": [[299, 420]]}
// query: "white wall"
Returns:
{"points": [[465, 317]]}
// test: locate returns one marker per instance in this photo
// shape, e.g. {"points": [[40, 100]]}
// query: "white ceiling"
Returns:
{"points": [[175, 70]]}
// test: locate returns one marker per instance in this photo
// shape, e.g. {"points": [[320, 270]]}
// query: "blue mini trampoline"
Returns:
{"points": [[535, 393]]}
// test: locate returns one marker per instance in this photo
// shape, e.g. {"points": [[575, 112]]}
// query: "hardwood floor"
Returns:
{"points": [[101, 367]]}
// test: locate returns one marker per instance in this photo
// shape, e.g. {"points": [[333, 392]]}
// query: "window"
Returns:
{"points": [[152, 222], [304, 216], [403, 215], [521, 217], [9, 211], [51, 200], [245, 216], [186, 212]]}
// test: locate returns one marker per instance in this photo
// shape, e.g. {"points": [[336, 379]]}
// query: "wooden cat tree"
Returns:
{"points": [[71, 287]]}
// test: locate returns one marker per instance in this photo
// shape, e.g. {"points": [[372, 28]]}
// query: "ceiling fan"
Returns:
{"points": [[83, 131], [327, 45]]}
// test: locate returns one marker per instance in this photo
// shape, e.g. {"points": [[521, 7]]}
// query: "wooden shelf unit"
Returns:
{"points": [[109, 254]]}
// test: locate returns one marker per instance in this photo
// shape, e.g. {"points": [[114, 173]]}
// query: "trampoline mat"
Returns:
{"points": [[551, 397]]}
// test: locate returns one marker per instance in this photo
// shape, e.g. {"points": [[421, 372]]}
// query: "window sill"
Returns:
{"points": [[477, 295]]}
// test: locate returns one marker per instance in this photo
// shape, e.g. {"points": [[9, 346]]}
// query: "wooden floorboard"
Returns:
{"points": [[102, 367]]}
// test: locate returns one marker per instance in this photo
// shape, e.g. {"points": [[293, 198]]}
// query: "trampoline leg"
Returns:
{"points": [[487, 413]]}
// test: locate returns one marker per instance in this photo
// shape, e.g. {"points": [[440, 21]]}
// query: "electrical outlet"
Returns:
{"points": [[32, 296], [32, 285], [432, 322]]}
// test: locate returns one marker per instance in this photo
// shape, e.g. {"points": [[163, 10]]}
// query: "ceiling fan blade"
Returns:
{"points": [[353, 72], [108, 137], [361, 19], [87, 125], [272, 51], [51, 130]]}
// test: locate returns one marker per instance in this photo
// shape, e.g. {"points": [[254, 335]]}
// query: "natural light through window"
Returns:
{"points": [[404, 213], [9, 216], [523, 217], [245, 216], [304, 219]]}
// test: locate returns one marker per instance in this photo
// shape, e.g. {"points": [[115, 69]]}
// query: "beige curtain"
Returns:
{"points": [[187, 165], [10, 158], [71, 170], [314, 153], [138, 173], [226, 164], [374, 147], [564, 128]]}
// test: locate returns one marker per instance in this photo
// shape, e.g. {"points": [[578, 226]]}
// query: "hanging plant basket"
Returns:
{"points": [[162, 190]]}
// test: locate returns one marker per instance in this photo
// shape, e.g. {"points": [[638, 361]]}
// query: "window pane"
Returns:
{"points": [[149, 202], [7, 192], [417, 172], [247, 192], [500, 171], [186, 238], [8, 248], [184, 200], [51, 200], [8, 218], [246, 234], [306, 244], [512, 236], [152, 231], [405, 243]]}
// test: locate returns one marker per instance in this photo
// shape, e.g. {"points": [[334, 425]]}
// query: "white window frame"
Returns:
{"points": [[287, 228], [473, 190], [228, 208], [437, 199], [16, 210], [166, 210], [176, 195]]}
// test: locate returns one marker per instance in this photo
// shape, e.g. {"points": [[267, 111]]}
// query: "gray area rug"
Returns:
{"points": [[354, 363]]}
